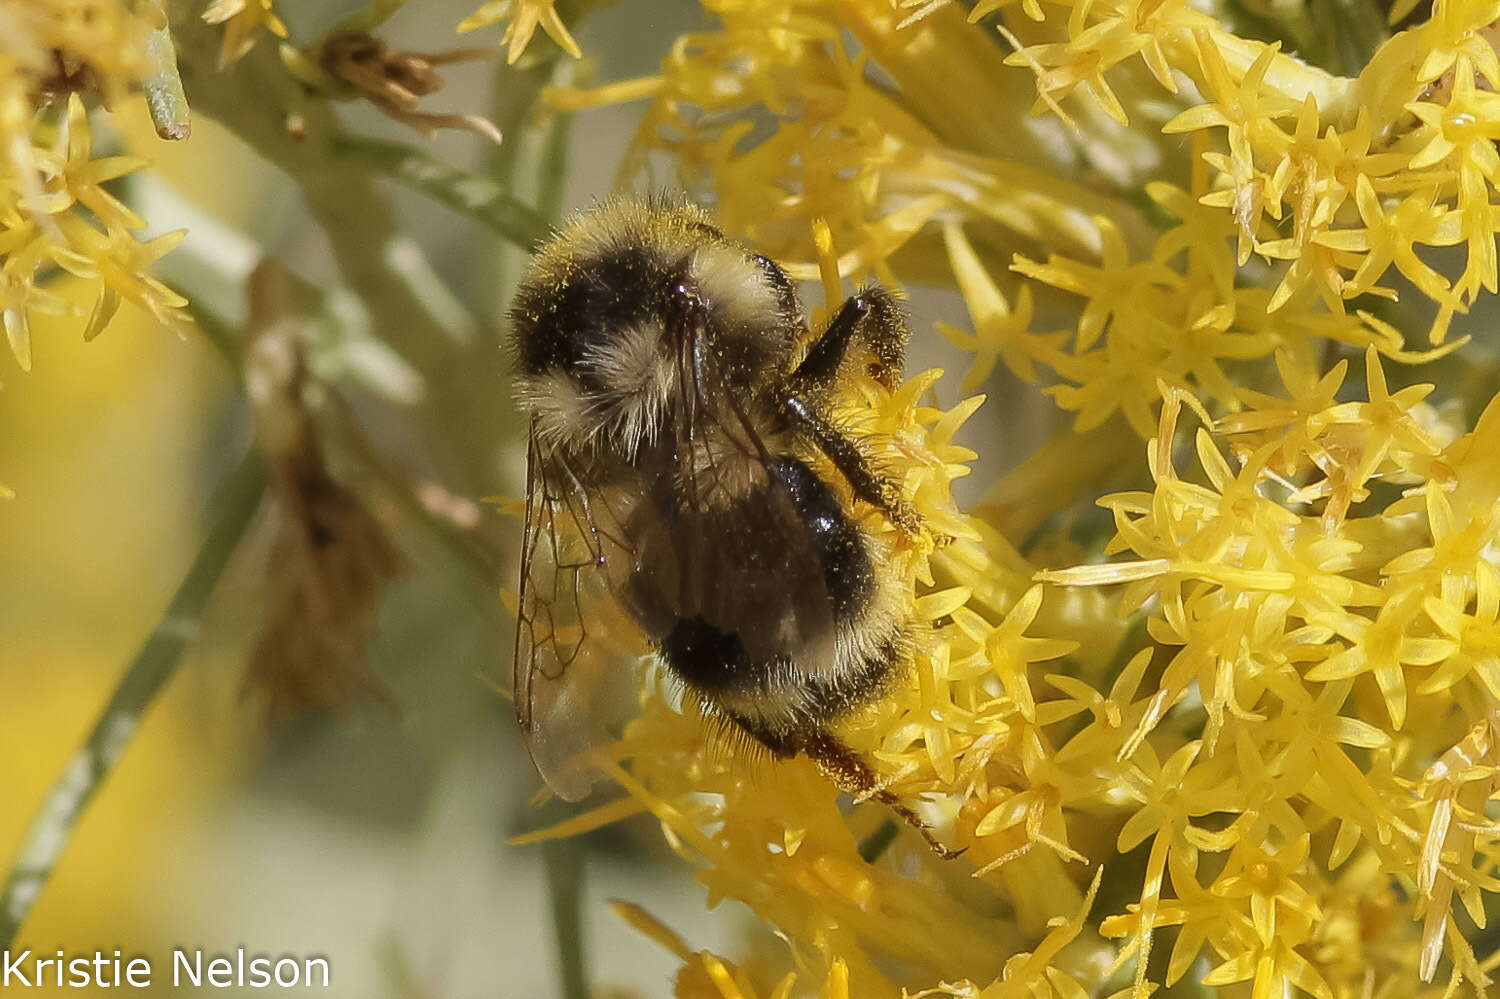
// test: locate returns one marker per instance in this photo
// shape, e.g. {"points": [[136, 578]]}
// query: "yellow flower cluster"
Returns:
{"points": [[1257, 747], [243, 22], [1304, 628], [1340, 178], [524, 17], [55, 213]]}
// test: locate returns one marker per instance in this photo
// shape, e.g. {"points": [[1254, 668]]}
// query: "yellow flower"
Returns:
{"points": [[55, 211], [525, 16], [707, 976], [48, 49], [74, 224], [243, 20]]}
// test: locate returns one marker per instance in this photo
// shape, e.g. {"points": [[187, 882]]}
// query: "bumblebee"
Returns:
{"points": [[678, 403]]}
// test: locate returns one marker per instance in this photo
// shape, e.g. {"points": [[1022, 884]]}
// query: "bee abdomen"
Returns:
{"points": [[840, 545], [775, 696]]}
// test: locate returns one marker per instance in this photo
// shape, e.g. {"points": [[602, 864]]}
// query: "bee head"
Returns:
{"points": [[627, 303]]}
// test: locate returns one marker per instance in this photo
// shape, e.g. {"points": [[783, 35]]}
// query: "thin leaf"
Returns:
{"points": [[468, 194]]}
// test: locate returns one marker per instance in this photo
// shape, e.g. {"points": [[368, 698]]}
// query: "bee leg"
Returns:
{"points": [[851, 462], [872, 315], [841, 765]]}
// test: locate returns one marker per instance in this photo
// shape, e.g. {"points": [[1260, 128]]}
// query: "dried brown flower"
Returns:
{"points": [[331, 560], [395, 81]]}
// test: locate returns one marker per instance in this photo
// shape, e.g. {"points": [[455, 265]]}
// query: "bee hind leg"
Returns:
{"points": [[844, 767]]}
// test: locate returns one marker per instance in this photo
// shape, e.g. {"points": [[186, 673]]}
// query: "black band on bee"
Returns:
{"points": [[585, 309], [715, 666]]}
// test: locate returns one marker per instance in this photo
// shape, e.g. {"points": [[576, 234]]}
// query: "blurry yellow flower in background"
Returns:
{"points": [[524, 17], [243, 21]]}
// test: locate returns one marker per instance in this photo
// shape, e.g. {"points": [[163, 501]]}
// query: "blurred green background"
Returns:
{"points": [[372, 837]]}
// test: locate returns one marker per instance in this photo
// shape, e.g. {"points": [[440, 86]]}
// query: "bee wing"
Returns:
{"points": [[574, 653], [757, 572]]}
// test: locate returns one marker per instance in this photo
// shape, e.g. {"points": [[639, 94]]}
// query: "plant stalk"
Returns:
{"points": [[91, 764]]}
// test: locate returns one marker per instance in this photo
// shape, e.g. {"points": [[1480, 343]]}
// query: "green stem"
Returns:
{"points": [[86, 770], [875, 844], [1358, 29], [480, 562], [516, 92], [379, 264], [563, 860], [552, 171], [469, 194]]}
